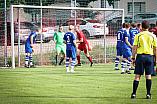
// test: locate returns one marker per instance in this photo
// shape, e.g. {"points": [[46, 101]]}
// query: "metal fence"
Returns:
{"points": [[134, 11]]}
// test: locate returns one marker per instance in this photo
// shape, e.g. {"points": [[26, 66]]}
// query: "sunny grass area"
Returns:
{"points": [[53, 85]]}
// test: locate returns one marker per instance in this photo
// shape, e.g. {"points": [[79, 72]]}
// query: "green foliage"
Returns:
{"points": [[100, 84]]}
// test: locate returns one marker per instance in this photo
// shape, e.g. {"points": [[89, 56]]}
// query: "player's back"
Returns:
{"points": [[28, 41], [154, 30], [69, 37], [133, 33], [126, 35], [120, 35]]}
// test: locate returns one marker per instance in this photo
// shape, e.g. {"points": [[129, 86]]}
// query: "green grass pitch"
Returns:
{"points": [[100, 84]]}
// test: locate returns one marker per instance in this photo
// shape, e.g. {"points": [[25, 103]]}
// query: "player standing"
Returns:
{"points": [[70, 41], [139, 27], [145, 47], [60, 46], [120, 34], [127, 55], [29, 48], [83, 46]]}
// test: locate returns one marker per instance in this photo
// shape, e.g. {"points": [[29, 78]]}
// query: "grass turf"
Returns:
{"points": [[100, 84]]}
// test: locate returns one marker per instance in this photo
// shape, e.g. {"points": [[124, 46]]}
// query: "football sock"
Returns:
{"points": [[56, 59], [123, 65], [116, 63], [61, 60], [90, 59], [27, 59], [72, 64], [128, 65], [148, 85], [67, 64], [30, 59], [78, 58], [135, 85]]}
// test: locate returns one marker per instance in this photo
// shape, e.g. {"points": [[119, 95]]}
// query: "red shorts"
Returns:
{"points": [[84, 48]]}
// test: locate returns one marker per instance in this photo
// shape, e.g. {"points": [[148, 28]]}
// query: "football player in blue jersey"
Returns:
{"points": [[133, 32], [70, 41], [29, 47], [120, 34], [126, 48]]}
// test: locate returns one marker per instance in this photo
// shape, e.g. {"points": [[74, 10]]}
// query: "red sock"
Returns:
{"points": [[90, 59], [78, 58]]}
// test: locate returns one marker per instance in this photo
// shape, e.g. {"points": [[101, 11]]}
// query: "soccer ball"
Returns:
{"points": [[90, 48]]}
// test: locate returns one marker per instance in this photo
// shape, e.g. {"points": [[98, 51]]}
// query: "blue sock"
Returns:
{"points": [[67, 62], [148, 85], [30, 58], [116, 63], [72, 64], [26, 60], [135, 86]]}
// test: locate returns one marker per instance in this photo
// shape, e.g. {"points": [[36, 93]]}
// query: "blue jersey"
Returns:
{"points": [[28, 41], [120, 35], [126, 35], [133, 33], [69, 37]]}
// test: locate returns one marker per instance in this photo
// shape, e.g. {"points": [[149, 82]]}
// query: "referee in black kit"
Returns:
{"points": [[145, 48]]}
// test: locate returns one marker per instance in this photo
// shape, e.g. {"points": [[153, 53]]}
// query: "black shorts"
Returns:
{"points": [[144, 62]]}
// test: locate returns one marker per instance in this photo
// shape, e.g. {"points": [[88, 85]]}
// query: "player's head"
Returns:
{"points": [[38, 31], [71, 27], [139, 26], [60, 28], [145, 24], [123, 25], [127, 25], [77, 28], [133, 25]]}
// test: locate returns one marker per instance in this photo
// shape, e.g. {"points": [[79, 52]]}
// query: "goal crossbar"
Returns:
{"points": [[48, 7]]}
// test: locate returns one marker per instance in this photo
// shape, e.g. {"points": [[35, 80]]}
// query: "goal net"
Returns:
{"points": [[99, 26]]}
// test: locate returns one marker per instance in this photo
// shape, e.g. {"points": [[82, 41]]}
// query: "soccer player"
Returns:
{"points": [[126, 48], [83, 46], [120, 34], [29, 47], [154, 30], [139, 27], [60, 46], [70, 41], [145, 47]]}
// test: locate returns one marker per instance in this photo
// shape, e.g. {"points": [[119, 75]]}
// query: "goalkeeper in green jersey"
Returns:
{"points": [[60, 46]]}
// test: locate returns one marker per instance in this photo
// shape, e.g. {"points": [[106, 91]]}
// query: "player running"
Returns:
{"points": [[83, 46], [29, 48], [70, 41], [60, 46], [120, 34]]}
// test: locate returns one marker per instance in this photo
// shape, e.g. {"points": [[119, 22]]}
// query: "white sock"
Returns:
{"points": [[67, 69]]}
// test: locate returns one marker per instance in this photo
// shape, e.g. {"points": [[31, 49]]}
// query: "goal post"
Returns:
{"points": [[101, 16]]}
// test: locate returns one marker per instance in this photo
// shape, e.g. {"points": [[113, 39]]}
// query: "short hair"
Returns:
{"points": [[127, 25], [134, 25], [145, 24], [60, 25], [138, 25], [123, 25], [78, 25], [71, 27], [38, 29]]}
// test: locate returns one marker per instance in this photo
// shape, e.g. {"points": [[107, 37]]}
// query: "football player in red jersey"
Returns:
{"points": [[83, 46], [139, 27]]}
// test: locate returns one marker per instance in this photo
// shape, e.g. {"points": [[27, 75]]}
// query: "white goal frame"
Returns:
{"points": [[47, 7]]}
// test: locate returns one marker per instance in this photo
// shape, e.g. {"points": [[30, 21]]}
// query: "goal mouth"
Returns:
{"points": [[94, 22]]}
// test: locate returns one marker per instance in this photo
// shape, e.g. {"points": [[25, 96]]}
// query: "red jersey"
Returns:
{"points": [[81, 35], [139, 30], [154, 30]]}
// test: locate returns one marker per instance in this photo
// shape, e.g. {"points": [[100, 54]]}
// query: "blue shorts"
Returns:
{"points": [[126, 52], [28, 48], [71, 53], [119, 51], [146, 62]]}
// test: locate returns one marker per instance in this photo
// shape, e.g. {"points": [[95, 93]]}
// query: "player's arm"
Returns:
{"points": [[31, 39], [64, 41], [54, 37], [127, 42], [155, 56], [79, 41], [134, 53]]}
